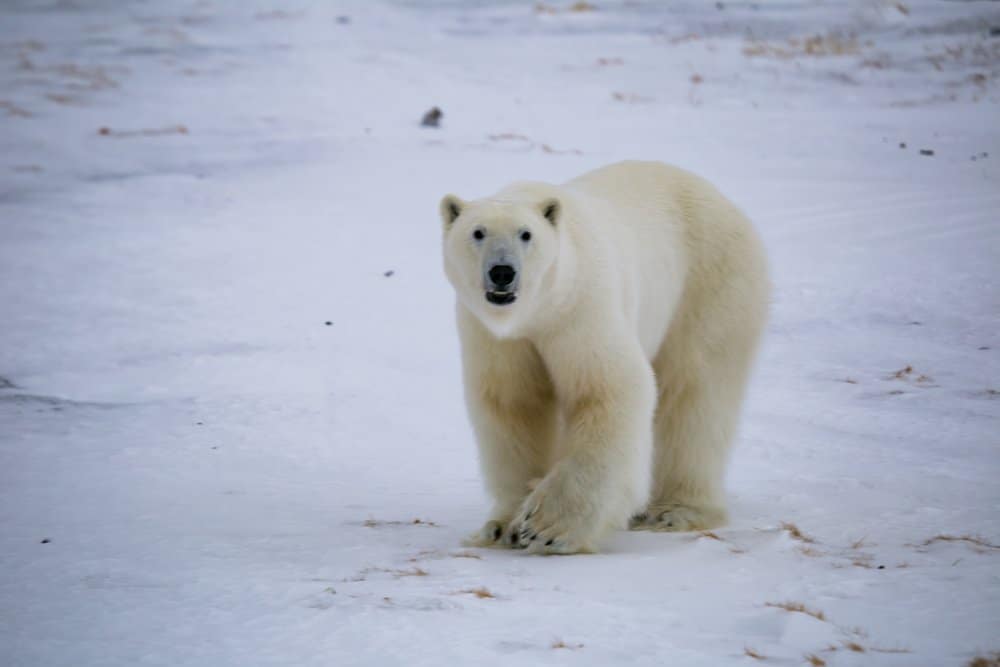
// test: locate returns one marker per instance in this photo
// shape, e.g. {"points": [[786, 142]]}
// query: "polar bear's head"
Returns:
{"points": [[499, 254]]}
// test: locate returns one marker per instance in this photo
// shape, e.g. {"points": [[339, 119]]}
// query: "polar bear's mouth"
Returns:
{"points": [[499, 298]]}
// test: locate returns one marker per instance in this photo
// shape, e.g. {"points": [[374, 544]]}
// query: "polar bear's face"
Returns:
{"points": [[498, 255]]}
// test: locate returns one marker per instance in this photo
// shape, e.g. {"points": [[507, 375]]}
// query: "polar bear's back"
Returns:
{"points": [[651, 194], [689, 240], [630, 176], [651, 186]]}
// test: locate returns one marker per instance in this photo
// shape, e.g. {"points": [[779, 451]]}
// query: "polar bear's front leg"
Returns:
{"points": [[608, 393], [512, 408], [515, 441]]}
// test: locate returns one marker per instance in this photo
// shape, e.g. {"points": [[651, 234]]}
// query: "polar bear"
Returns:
{"points": [[608, 326]]}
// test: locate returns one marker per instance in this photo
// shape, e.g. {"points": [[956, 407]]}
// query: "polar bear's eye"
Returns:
{"points": [[479, 235], [525, 236]]}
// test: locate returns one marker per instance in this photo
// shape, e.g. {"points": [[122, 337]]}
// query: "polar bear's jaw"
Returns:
{"points": [[501, 298]]}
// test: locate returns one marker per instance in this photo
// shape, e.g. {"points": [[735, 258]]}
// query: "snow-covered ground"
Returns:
{"points": [[231, 425]]}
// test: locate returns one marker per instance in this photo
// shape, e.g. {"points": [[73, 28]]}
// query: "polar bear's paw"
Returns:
{"points": [[677, 517], [552, 521], [496, 534]]}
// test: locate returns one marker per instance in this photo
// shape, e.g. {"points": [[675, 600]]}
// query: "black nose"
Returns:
{"points": [[502, 275]]}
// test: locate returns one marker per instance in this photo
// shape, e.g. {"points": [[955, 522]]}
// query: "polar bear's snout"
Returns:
{"points": [[501, 284], [501, 275]]}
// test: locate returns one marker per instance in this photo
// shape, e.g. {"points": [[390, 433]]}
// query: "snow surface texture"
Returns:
{"points": [[231, 424]]}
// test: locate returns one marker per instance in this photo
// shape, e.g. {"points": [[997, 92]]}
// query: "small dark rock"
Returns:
{"points": [[984, 154], [984, 347], [46, 541], [388, 273], [199, 423], [328, 323], [902, 144], [104, 131], [343, 20], [926, 151], [995, 31], [916, 323], [6, 384], [432, 118], [881, 567]]}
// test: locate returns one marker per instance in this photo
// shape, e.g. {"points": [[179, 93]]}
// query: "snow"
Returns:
{"points": [[195, 469]]}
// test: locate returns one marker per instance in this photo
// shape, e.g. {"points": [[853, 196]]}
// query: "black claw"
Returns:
{"points": [[513, 537], [670, 524], [549, 543], [497, 532], [532, 538]]}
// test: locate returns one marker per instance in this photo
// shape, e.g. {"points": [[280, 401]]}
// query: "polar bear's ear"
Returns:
{"points": [[551, 208], [451, 208]]}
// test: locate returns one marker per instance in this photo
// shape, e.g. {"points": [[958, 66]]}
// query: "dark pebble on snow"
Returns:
{"points": [[432, 118], [926, 151]]}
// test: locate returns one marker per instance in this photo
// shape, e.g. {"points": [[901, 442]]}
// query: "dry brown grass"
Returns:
{"points": [[561, 644], [815, 660], [753, 654], [710, 535], [376, 523], [969, 539], [858, 648], [481, 592], [145, 132], [412, 572], [906, 373], [398, 574], [579, 6], [435, 554], [991, 660], [795, 533], [797, 607], [814, 45], [560, 151], [508, 136], [14, 110], [630, 98]]}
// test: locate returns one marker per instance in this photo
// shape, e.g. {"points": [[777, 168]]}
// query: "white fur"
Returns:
{"points": [[612, 386]]}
